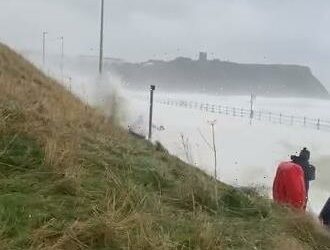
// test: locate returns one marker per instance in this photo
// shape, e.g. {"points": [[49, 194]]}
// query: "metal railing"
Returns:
{"points": [[259, 115]]}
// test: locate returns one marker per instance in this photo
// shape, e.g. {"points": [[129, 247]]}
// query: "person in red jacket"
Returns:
{"points": [[289, 186]]}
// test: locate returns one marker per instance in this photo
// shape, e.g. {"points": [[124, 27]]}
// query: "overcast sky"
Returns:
{"points": [[261, 31]]}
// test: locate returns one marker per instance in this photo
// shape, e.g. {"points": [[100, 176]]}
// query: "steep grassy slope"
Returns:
{"points": [[70, 180]]}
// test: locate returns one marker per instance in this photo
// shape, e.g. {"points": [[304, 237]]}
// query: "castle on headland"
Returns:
{"points": [[202, 56]]}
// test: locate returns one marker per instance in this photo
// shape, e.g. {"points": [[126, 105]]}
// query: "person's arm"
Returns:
{"points": [[311, 173]]}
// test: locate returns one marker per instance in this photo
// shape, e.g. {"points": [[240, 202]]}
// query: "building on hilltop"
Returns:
{"points": [[202, 57]]}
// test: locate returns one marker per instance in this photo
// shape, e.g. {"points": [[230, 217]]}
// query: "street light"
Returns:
{"points": [[44, 47], [62, 55], [152, 89], [101, 38]]}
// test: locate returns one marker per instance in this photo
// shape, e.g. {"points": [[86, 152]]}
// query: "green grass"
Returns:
{"points": [[126, 189], [70, 180]]}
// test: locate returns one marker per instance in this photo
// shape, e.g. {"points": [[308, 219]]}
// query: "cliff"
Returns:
{"points": [[215, 76]]}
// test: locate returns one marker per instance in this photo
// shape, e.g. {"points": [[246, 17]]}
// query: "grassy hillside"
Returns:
{"points": [[70, 180]]}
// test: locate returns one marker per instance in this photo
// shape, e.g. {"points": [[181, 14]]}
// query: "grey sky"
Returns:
{"points": [[262, 31]]}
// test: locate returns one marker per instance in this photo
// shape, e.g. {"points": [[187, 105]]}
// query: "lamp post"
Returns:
{"points": [[101, 38], [62, 55], [152, 89], [44, 48]]}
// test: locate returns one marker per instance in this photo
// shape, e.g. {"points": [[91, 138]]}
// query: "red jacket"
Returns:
{"points": [[289, 185]]}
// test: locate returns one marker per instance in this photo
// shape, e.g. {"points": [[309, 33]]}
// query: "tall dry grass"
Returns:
{"points": [[35, 105], [97, 188]]}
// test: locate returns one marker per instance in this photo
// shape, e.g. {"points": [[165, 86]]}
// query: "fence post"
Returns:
{"points": [[280, 118], [251, 116], [241, 112], [318, 124], [213, 109]]}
